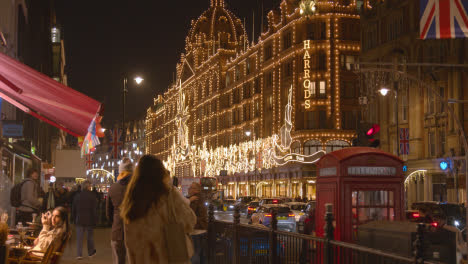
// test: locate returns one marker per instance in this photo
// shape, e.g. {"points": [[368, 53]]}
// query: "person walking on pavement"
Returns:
{"points": [[199, 234], [149, 204], [113, 202], [84, 217], [31, 202]]}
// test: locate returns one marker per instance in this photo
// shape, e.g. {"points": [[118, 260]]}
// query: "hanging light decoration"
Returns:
{"points": [[308, 7]]}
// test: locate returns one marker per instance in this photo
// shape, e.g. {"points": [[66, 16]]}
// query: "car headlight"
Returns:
{"points": [[456, 223], [206, 203], [231, 206]]}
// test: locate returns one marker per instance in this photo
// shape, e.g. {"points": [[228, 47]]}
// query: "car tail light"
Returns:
{"points": [[434, 224], [292, 215], [275, 201], [268, 215], [415, 215], [250, 208]]}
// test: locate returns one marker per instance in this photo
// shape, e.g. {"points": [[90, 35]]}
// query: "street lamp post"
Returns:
{"points": [[384, 91], [138, 80]]}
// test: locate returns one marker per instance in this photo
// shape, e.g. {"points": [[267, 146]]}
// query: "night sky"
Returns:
{"points": [[106, 39]]}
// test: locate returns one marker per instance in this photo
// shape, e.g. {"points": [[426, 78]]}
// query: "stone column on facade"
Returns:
{"points": [[289, 189], [411, 192], [301, 191], [415, 122], [273, 188], [426, 187]]}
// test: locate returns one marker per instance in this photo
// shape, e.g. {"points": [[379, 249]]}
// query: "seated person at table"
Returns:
{"points": [[54, 227]]}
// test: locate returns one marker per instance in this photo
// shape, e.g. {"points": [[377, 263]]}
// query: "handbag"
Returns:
{"points": [[177, 241]]}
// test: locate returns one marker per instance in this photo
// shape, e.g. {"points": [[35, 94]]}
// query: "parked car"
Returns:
{"points": [[285, 217], [265, 201], [436, 213], [243, 202], [298, 208], [251, 208], [229, 205], [310, 205]]}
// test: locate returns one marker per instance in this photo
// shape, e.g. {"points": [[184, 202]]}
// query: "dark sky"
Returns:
{"points": [[106, 39]]}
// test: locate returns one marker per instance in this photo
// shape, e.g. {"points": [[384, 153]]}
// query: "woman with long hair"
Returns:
{"points": [[150, 203], [55, 227]]}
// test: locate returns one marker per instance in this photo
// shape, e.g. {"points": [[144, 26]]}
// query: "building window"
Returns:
{"points": [[336, 145], [322, 61], [313, 89], [442, 140], [296, 147], [270, 102], [288, 69], [257, 86], [268, 52], [287, 40], [323, 119], [247, 65], [432, 146], [348, 89], [312, 146], [322, 89], [238, 72], [347, 62], [430, 101], [247, 90], [311, 31], [404, 106], [323, 30], [228, 79], [441, 103], [349, 120], [269, 79], [257, 109], [311, 120]]}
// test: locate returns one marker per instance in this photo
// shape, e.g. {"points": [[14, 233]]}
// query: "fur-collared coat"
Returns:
{"points": [[144, 237]]}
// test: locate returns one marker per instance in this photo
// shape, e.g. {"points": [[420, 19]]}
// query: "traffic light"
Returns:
{"points": [[365, 135], [373, 143]]}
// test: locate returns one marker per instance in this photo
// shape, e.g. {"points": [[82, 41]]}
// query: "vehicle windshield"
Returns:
{"points": [[280, 209], [454, 210], [272, 201], [253, 204], [298, 207]]}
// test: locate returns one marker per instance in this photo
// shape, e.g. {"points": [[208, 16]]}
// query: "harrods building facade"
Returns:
{"points": [[233, 85]]}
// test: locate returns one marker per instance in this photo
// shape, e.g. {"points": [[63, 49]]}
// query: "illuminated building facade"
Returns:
{"points": [[295, 86], [390, 34]]}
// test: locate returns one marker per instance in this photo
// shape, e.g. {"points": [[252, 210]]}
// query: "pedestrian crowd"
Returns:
{"points": [[152, 222]]}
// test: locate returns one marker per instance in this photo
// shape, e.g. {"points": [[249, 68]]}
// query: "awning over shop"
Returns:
{"points": [[45, 98]]}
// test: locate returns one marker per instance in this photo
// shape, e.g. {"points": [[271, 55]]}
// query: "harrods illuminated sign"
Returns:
{"points": [[307, 83]]}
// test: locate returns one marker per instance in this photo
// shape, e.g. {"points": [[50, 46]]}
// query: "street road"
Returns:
{"points": [[229, 217]]}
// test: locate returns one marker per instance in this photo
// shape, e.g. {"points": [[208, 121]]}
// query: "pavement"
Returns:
{"points": [[102, 243], [103, 250]]}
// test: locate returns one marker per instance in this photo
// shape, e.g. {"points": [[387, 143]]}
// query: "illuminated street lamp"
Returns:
{"points": [[384, 91], [138, 80], [248, 133]]}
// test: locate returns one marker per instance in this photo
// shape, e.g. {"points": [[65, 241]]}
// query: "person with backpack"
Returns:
{"points": [[25, 197]]}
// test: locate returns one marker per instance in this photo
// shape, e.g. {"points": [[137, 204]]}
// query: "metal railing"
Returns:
{"points": [[236, 243]]}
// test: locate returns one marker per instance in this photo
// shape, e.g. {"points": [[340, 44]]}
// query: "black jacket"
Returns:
{"points": [[113, 202], [84, 209]]}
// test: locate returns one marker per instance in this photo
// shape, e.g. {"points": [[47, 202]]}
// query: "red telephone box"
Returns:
{"points": [[363, 184]]}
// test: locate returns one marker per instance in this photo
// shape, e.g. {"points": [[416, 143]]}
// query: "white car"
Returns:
{"points": [[298, 208]]}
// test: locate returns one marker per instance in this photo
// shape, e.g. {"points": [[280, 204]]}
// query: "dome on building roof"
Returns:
{"points": [[218, 24]]}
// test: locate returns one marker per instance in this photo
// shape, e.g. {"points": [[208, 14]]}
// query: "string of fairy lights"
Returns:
{"points": [[205, 90]]}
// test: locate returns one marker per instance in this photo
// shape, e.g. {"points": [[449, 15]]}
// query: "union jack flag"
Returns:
{"points": [[116, 143], [404, 141], [443, 19]]}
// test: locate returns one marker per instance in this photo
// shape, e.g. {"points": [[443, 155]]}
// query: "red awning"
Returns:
{"points": [[45, 98]]}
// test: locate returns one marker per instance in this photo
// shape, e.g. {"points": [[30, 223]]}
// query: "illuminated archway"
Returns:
{"points": [[103, 175]]}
